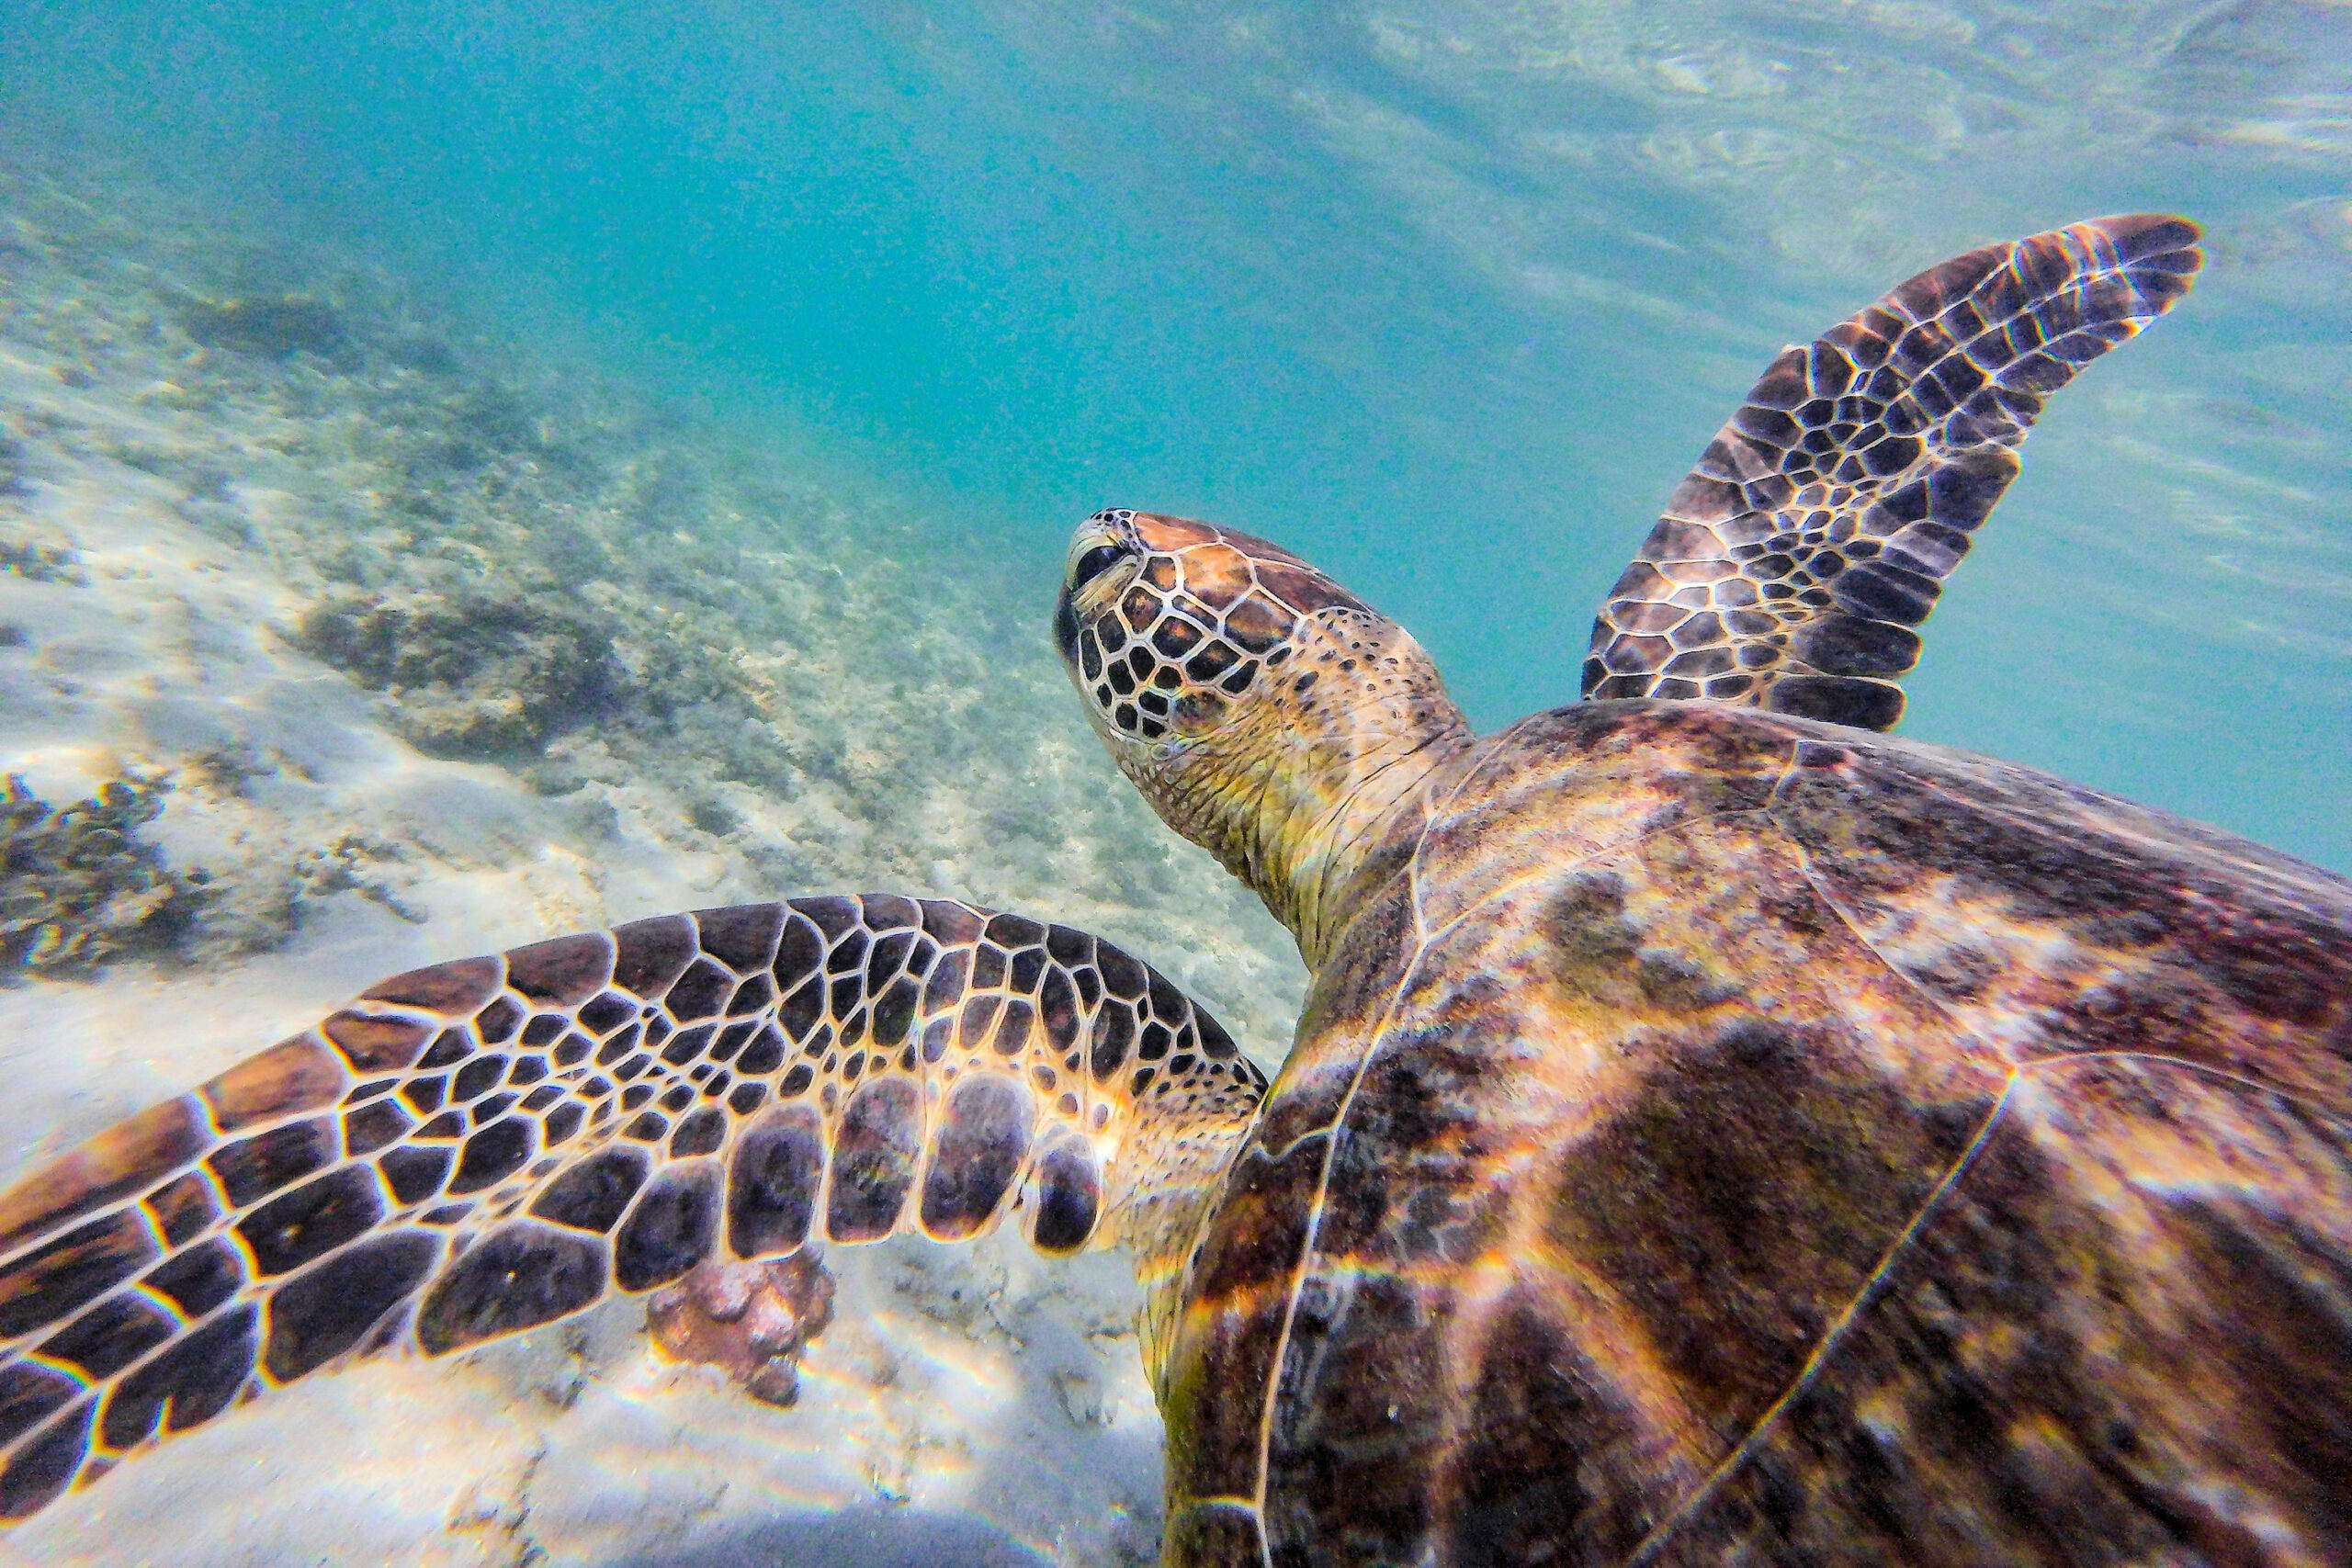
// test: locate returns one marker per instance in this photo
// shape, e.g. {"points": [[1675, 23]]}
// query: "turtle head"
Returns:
{"points": [[1266, 713]]}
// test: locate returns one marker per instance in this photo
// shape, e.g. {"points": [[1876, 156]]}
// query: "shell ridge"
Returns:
{"points": [[1831, 1338]]}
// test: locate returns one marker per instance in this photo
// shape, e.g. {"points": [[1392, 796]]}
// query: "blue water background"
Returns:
{"points": [[1446, 297]]}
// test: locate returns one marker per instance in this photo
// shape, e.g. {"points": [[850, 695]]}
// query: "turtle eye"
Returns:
{"points": [[1093, 564]]}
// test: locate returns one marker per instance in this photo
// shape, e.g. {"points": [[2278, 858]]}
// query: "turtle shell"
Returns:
{"points": [[1722, 1137]]}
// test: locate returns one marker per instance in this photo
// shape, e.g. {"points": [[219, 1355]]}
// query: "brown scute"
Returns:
{"points": [[30, 1394], [297, 1227], [563, 972], [670, 1229], [256, 1166], [1160, 532], [187, 1384], [181, 1208], [1517, 1486], [1214, 1535], [1069, 1198], [773, 1177], [492, 1155], [982, 1138], [741, 936], [594, 1194], [288, 1078], [1241, 1287], [1304, 588], [649, 955], [325, 1312], [119, 1161], [875, 1149], [517, 1276], [377, 1042], [38, 1471], [1352, 1458], [80, 1265], [110, 1335], [2082, 1357], [1742, 1199], [2090, 924], [456, 989], [199, 1278], [949, 924]]}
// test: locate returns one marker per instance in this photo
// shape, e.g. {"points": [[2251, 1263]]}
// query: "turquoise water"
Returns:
{"points": [[1440, 295], [773, 351], [1446, 297]]}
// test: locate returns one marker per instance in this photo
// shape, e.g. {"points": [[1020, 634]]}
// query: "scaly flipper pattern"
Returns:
{"points": [[1818, 527], [480, 1147]]}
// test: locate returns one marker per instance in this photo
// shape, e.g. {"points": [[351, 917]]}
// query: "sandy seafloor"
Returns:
{"points": [[441, 646]]}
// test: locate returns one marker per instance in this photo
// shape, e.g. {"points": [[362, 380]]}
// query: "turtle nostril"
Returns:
{"points": [[1093, 564]]}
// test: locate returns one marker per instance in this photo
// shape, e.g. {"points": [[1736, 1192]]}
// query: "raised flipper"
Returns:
{"points": [[477, 1148], [1817, 529]]}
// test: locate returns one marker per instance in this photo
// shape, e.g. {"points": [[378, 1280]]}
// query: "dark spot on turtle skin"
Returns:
{"points": [[1013, 1030], [319, 1315], [1210, 1533], [37, 1472], [373, 1126], [700, 992], [982, 1138], [561, 1123], [950, 925], [476, 1078], [515, 1278], [649, 955], [1350, 1459], [600, 1015], [1975, 1409], [1586, 927], [1512, 1492], [700, 1134], [773, 1181], [449, 1046]]}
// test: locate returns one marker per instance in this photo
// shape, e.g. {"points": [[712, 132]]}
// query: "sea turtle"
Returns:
{"points": [[1716, 1132]]}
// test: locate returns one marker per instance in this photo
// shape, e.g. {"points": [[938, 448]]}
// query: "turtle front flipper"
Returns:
{"points": [[1819, 526], [477, 1148]]}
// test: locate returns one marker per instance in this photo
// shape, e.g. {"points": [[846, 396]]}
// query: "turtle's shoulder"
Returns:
{"points": [[1574, 781]]}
